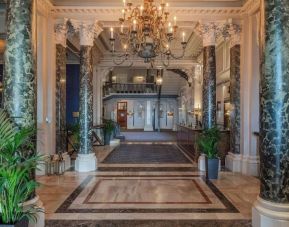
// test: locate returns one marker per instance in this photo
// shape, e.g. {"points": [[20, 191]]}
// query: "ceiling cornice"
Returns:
{"points": [[110, 15]]}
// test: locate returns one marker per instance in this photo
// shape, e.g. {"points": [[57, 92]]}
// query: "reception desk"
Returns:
{"points": [[187, 140]]}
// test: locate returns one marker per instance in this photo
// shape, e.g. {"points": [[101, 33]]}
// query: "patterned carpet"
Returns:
{"points": [[146, 154], [149, 136]]}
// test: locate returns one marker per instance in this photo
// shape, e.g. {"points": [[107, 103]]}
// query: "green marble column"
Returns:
{"points": [[235, 115], [208, 32], [60, 34], [274, 105], [86, 100], [19, 58], [88, 31]]}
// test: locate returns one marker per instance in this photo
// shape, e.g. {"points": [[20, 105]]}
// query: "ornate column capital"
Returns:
{"points": [[208, 31], [88, 31], [211, 31], [60, 30], [235, 31]]}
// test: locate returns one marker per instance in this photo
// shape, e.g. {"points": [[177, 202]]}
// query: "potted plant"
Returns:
{"points": [[108, 130], [208, 142], [18, 161], [74, 135]]}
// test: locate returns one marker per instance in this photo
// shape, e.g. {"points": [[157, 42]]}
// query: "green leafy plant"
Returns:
{"points": [[208, 142], [75, 134], [18, 161], [108, 126]]}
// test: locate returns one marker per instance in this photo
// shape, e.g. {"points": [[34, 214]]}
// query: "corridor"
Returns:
{"points": [[142, 184]]}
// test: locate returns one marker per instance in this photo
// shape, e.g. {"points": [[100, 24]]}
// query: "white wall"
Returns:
{"points": [[137, 106]]}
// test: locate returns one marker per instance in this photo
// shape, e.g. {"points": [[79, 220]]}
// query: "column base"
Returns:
{"points": [[233, 162], [85, 162], [268, 214], [67, 160], [40, 215], [251, 165], [148, 128], [248, 165], [114, 142]]}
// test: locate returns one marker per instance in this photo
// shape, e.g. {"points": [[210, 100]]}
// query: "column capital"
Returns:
{"points": [[235, 31], [88, 31], [60, 30], [209, 31]]}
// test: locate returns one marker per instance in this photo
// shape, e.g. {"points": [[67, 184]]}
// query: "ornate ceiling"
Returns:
{"points": [[175, 3]]}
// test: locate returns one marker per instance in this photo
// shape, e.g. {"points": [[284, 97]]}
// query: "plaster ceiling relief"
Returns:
{"points": [[174, 3]]}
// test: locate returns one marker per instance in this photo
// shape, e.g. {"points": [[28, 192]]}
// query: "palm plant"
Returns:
{"points": [[208, 142], [18, 160]]}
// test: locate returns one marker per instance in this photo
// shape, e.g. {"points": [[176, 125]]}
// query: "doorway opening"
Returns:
{"points": [[122, 114]]}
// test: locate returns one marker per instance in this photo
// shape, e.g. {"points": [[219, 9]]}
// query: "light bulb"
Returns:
{"points": [[184, 35], [111, 33]]}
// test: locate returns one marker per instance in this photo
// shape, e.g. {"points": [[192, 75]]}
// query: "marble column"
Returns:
{"points": [[235, 88], [272, 205], [20, 73], [60, 39], [20, 68], [86, 160], [208, 33]]}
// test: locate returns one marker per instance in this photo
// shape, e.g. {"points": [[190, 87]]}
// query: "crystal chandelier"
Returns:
{"points": [[146, 31]]}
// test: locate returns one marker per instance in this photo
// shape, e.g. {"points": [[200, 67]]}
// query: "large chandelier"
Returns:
{"points": [[146, 31]]}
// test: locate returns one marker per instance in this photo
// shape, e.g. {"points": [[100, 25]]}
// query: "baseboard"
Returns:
{"points": [[248, 165]]}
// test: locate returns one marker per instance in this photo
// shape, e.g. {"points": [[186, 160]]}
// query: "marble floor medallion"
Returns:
{"points": [[146, 194]]}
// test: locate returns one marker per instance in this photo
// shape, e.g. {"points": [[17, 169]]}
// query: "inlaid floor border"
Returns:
{"points": [[148, 223], [229, 207]]}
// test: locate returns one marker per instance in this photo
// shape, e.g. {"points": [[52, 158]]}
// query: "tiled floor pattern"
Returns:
{"points": [[144, 198]]}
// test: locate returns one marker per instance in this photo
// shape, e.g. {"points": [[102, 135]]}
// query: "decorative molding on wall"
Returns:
{"points": [[183, 14], [105, 13], [251, 6], [45, 7]]}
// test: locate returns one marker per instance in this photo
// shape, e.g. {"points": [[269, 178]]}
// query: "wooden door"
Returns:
{"points": [[122, 114]]}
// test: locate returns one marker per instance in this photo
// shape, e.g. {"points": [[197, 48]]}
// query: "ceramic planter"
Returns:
{"points": [[107, 137], [212, 168]]}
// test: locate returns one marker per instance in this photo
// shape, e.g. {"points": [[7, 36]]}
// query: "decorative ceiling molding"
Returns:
{"points": [[183, 14], [251, 6], [45, 7]]}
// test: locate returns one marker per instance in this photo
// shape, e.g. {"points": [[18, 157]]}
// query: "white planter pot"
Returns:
{"points": [[202, 163]]}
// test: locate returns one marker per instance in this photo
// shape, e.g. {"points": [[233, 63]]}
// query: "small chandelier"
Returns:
{"points": [[146, 31]]}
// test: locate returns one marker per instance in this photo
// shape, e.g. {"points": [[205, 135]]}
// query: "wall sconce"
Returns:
{"points": [[159, 80], [130, 113], [170, 114]]}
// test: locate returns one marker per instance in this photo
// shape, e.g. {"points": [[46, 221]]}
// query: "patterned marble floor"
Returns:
{"points": [[119, 196]]}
